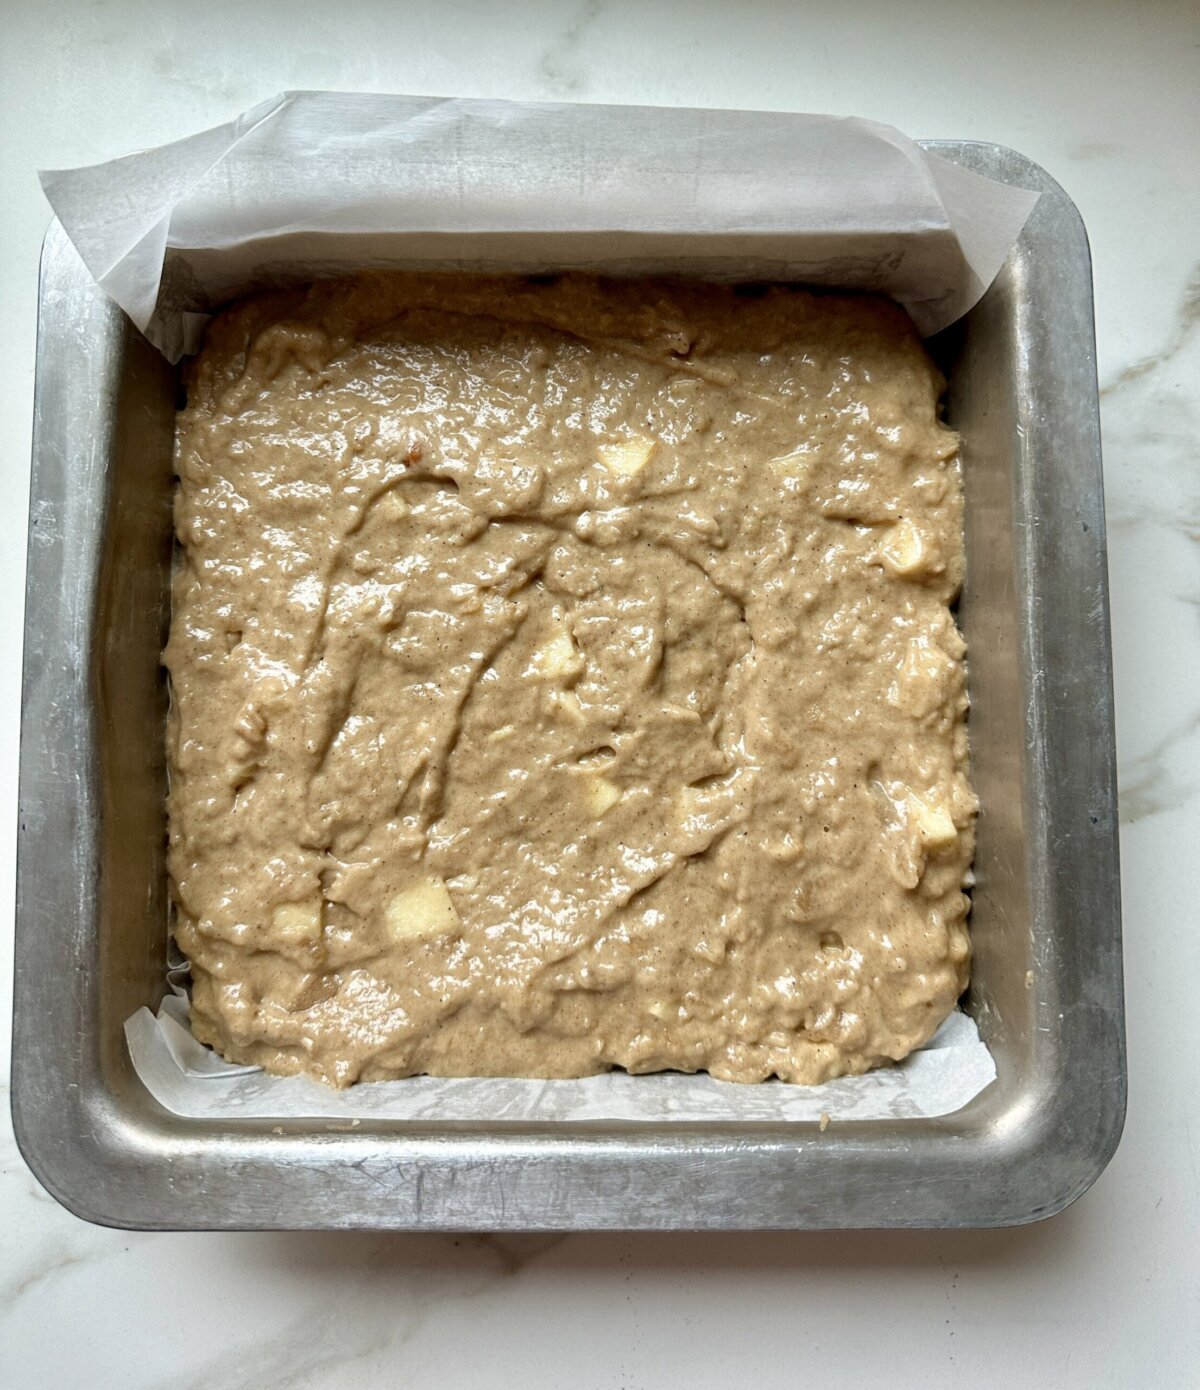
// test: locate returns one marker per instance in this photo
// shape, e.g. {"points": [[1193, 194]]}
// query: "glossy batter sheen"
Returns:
{"points": [[564, 677]]}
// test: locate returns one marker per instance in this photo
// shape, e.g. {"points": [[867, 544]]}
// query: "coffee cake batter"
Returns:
{"points": [[564, 677]]}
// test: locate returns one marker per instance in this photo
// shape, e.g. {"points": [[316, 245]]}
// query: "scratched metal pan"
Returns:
{"points": [[1046, 989]]}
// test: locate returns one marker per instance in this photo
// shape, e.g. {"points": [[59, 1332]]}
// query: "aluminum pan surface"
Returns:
{"points": [[1047, 985]]}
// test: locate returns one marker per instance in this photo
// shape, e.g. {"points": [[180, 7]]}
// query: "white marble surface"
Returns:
{"points": [[1104, 95]]}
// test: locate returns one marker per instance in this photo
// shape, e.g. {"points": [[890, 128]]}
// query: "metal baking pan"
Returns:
{"points": [[1046, 988]]}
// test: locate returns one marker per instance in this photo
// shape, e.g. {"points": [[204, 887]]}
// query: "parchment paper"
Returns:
{"points": [[310, 183], [188, 1079]]}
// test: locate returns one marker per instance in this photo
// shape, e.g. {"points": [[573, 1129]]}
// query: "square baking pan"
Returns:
{"points": [[1046, 988]]}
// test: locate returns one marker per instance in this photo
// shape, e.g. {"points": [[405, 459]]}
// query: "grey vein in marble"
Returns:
{"points": [[1185, 324], [1153, 782], [1150, 429], [562, 70], [387, 1286]]}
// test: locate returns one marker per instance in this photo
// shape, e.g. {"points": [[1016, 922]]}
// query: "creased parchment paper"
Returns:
{"points": [[311, 183], [189, 1079]]}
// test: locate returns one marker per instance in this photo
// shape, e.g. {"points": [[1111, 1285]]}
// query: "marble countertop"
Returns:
{"points": [[1107, 1294]]}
